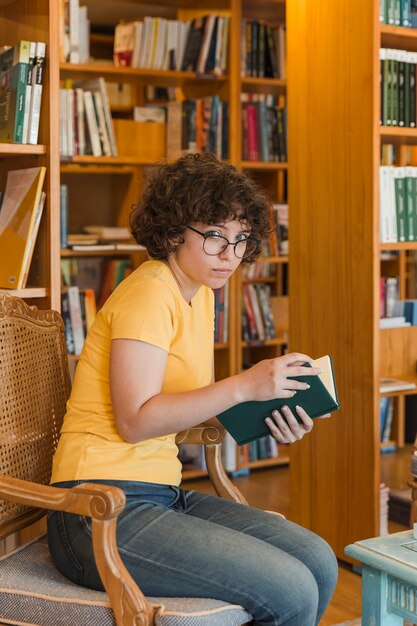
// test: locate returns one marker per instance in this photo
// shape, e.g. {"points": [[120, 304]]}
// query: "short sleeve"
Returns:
{"points": [[145, 311]]}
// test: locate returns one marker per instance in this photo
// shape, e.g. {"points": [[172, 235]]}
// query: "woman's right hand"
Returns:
{"points": [[271, 378]]}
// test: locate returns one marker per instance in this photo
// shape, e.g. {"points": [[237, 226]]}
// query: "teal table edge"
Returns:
{"points": [[389, 579]]}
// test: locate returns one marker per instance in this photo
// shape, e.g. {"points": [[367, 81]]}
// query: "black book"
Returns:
{"points": [[192, 47], [246, 421]]}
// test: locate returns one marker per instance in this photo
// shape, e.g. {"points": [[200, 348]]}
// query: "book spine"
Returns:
{"points": [[28, 92], [18, 87], [36, 96]]}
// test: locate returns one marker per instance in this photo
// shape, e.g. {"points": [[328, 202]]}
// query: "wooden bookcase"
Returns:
{"points": [[38, 21], [102, 189], [335, 142]]}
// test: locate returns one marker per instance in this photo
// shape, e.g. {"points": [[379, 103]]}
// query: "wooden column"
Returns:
{"points": [[333, 125]]}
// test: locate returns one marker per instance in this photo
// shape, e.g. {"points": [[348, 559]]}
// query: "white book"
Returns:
{"points": [[63, 123], [218, 52], [84, 35], [137, 36], [99, 85], [144, 41], [171, 52], [70, 121], [160, 44], [393, 322], [101, 124], [387, 385], [80, 119], [229, 452], [76, 318], [205, 44], [74, 32], [28, 91], [92, 124], [183, 31], [36, 94], [225, 43], [148, 42]]}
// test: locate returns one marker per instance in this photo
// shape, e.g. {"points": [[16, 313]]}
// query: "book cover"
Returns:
{"points": [[36, 93], [246, 421], [17, 221], [14, 63]]}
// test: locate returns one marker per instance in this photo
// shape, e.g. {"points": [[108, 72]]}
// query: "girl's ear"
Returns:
{"points": [[174, 236]]}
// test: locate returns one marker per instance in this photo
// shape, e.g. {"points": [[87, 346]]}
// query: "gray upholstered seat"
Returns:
{"points": [[31, 568]]}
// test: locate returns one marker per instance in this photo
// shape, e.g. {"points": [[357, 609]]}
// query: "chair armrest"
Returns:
{"points": [[212, 437], [102, 503], [201, 434]]}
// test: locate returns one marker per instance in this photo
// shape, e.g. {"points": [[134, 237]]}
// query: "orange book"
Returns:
{"points": [[19, 220]]}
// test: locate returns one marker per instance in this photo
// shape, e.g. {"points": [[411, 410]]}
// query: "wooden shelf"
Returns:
{"points": [[28, 292], [256, 343], [135, 75], [279, 460], [402, 392], [21, 149], [69, 253], [398, 133], [272, 259], [80, 168], [88, 159], [398, 37], [264, 165], [264, 85], [189, 474], [407, 245], [221, 346]]}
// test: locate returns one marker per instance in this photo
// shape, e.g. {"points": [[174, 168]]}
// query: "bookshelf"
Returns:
{"points": [[336, 265], [114, 183], [102, 189], [37, 21]]}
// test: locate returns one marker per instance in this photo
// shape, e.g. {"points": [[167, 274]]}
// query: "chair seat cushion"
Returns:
{"points": [[32, 591]]}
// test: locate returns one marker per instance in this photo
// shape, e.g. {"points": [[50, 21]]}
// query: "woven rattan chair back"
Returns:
{"points": [[35, 385]]}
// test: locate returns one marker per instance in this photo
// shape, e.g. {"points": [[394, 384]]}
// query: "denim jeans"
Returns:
{"points": [[188, 544]]}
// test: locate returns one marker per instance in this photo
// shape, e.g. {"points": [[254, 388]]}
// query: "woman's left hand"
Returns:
{"points": [[289, 429]]}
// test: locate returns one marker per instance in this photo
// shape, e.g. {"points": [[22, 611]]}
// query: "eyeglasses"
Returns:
{"points": [[215, 244]]}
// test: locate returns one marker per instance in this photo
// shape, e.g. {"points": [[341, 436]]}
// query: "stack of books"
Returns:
{"points": [[21, 76]]}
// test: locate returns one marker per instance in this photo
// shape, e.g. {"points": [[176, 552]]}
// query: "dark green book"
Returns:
{"points": [[246, 421]]}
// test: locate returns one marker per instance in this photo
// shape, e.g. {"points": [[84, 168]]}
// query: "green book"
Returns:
{"points": [[14, 63], [246, 421]]}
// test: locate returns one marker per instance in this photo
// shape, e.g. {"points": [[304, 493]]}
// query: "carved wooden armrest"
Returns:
{"points": [[102, 503], [212, 437]]}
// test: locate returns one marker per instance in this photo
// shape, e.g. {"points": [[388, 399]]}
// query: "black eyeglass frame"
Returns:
{"points": [[206, 236]]}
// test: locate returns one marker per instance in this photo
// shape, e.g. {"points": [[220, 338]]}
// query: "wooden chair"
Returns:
{"points": [[35, 385]]}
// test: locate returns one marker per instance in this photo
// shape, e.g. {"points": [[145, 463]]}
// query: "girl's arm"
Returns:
{"points": [[142, 412]]}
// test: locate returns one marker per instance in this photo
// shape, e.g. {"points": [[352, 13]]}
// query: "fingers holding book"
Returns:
{"points": [[285, 427]]}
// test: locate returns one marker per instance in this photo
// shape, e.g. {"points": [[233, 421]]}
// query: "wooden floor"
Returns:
{"points": [[269, 489]]}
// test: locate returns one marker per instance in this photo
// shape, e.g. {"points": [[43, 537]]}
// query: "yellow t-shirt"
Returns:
{"points": [[147, 306]]}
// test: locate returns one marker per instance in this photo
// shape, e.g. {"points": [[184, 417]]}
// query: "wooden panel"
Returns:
{"points": [[332, 132], [398, 351]]}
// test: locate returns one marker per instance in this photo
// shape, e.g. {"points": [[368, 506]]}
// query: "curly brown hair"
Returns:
{"points": [[196, 188]]}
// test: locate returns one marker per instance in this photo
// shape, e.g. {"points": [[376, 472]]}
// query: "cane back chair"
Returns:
{"points": [[35, 385]]}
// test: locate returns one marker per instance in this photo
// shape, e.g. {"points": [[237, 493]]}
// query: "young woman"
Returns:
{"points": [[146, 373]]}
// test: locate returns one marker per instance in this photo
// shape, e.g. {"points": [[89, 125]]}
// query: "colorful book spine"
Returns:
{"points": [[36, 96]]}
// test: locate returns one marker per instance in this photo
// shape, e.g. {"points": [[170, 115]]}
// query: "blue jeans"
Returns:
{"points": [[188, 544]]}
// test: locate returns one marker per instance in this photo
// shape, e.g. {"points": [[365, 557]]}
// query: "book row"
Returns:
{"points": [[21, 76], [398, 12], [398, 203], [86, 125], [398, 87], [197, 125], [264, 128], [386, 412], [74, 32], [258, 322], [199, 45], [389, 293], [263, 50]]}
